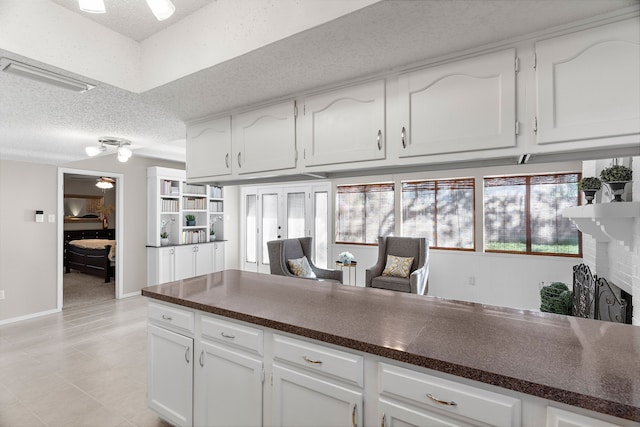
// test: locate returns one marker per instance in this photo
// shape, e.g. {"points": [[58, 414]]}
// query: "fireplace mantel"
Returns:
{"points": [[606, 222]]}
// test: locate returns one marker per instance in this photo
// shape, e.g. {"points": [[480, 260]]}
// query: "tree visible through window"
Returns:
{"points": [[523, 214], [364, 213], [440, 210]]}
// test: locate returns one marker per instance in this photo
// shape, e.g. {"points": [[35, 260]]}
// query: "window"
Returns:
{"points": [[364, 213], [440, 210], [523, 214]]}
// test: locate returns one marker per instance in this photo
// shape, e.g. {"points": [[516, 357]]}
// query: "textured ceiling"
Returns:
{"points": [[44, 124]]}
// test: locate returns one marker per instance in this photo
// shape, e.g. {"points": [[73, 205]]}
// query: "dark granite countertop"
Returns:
{"points": [[585, 363]]}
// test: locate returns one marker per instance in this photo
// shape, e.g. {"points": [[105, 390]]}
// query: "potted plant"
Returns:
{"points": [[191, 220], [164, 238], [212, 233], [616, 178], [590, 186]]}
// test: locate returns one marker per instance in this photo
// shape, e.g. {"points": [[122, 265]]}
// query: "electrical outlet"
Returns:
{"points": [[472, 281], [2, 294]]}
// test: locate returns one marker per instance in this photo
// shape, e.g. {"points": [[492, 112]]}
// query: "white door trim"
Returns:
{"points": [[119, 276]]}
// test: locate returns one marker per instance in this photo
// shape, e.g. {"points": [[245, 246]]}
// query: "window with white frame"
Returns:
{"points": [[364, 212], [443, 211], [523, 214]]}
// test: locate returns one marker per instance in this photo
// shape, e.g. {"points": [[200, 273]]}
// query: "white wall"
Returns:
{"points": [[28, 249]]}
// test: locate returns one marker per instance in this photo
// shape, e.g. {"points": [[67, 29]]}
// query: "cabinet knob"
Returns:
{"points": [[353, 415], [186, 354], [226, 160], [227, 335], [403, 138], [379, 138], [239, 165]]}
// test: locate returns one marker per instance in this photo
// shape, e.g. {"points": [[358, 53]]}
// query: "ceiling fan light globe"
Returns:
{"points": [[122, 158], [124, 152], [93, 151]]}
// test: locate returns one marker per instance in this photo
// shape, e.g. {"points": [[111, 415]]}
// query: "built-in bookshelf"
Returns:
{"points": [[171, 199]]}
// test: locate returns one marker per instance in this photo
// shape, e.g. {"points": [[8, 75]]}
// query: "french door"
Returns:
{"points": [[283, 212]]}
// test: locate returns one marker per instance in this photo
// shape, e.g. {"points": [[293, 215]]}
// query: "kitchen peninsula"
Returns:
{"points": [[401, 357]]}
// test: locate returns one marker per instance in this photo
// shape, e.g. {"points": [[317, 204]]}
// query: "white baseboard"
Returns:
{"points": [[29, 316], [131, 294]]}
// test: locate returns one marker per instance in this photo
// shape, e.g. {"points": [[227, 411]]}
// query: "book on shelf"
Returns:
{"points": [[194, 189]]}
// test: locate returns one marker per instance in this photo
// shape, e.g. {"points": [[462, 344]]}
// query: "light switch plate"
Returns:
{"points": [[52, 218]]}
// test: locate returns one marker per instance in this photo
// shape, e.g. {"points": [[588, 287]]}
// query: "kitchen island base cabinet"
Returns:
{"points": [[301, 399], [228, 387], [170, 375], [560, 418]]}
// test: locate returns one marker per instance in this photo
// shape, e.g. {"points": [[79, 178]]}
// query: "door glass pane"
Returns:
{"points": [[321, 220], [295, 215], [269, 223], [251, 229]]}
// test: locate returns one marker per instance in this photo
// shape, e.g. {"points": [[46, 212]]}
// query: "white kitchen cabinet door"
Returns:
{"points": [[204, 259], [345, 126], [265, 139], [588, 84], [209, 148], [560, 418], [166, 261], [467, 105], [184, 262], [305, 400], [228, 387], [170, 375], [218, 256], [395, 414]]}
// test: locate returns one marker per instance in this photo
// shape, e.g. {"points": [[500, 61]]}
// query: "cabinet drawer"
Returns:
{"points": [[346, 366], [232, 333], [451, 397], [171, 317]]}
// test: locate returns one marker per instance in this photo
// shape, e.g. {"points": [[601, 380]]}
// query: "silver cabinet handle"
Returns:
{"points": [[353, 415], [442, 402], [382, 421], [201, 354], [403, 135], [186, 354], [165, 317], [379, 139], [239, 165], [227, 335], [315, 362], [226, 160]]}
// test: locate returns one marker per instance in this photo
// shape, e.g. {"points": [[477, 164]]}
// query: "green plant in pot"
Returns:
{"points": [[212, 233], [590, 186], [191, 220], [616, 178]]}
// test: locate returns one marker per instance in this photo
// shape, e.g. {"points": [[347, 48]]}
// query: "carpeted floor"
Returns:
{"points": [[81, 289]]}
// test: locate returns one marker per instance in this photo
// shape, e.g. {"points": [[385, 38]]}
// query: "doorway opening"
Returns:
{"points": [[89, 237]]}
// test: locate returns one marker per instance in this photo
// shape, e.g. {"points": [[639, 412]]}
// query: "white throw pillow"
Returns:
{"points": [[300, 267]]}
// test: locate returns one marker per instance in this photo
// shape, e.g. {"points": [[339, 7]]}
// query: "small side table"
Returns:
{"points": [[350, 267]]}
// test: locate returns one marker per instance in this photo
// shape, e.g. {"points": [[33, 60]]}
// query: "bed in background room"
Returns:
{"points": [[86, 253]]}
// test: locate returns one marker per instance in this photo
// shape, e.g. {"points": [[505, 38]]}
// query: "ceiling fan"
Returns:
{"points": [[105, 183]]}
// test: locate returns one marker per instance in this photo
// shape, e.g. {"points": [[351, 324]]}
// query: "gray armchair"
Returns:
{"points": [[417, 282], [282, 250]]}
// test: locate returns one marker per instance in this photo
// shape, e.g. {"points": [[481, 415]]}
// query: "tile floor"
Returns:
{"points": [[83, 367]]}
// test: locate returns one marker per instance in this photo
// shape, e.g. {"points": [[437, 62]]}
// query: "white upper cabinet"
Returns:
{"points": [[588, 83], [345, 126], [265, 139], [467, 105], [209, 148]]}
